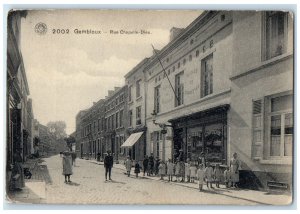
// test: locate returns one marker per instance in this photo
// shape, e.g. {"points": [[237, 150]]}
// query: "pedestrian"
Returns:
{"points": [[227, 177], [209, 175], [187, 166], [74, 158], [162, 170], [151, 164], [217, 175], [200, 176], [170, 170], [137, 169], [145, 164], [234, 169], [17, 175], [67, 166], [193, 171], [182, 170], [156, 164], [108, 164], [128, 165], [202, 159], [177, 169]]}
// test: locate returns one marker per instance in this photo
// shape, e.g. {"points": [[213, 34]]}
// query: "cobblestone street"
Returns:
{"points": [[89, 187]]}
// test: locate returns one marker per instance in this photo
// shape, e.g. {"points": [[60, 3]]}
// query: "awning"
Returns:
{"points": [[133, 138]]}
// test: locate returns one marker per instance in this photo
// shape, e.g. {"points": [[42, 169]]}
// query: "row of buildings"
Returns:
{"points": [[24, 134], [221, 85]]}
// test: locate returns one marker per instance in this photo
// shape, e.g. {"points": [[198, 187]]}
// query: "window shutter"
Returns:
{"points": [[257, 129]]}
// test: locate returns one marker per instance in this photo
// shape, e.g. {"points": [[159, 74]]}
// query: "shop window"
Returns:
{"points": [[275, 33], [157, 99], [179, 89], [207, 76]]}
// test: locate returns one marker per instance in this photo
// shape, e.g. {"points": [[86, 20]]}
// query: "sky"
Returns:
{"points": [[66, 73]]}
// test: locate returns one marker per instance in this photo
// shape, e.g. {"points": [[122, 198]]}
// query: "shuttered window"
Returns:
{"points": [[257, 129]]}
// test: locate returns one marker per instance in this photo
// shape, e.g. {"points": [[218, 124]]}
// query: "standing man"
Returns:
{"points": [[108, 164], [145, 164]]}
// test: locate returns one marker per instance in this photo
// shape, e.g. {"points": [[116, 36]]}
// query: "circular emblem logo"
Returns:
{"points": [[40, 28]]}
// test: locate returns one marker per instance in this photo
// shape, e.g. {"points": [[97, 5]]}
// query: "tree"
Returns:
{"points": [[58, 129], [70, 141]]}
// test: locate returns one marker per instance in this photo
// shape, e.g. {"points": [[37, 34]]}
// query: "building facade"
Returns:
{"points": [[136, 123], [17, 92], [261, 122], [115, 120], [192, 94]]}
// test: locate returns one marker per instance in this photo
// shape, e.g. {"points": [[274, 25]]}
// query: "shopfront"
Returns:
{"points": [[202, 134]]}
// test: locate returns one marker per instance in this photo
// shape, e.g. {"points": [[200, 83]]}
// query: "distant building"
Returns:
{"points": [[134, 146]]}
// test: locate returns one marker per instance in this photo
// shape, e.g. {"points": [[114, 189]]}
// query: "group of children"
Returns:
{"points": [[187, 172]]}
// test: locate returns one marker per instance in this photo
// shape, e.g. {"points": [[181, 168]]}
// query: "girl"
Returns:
{"points": [[162, 170], [128, 165], [187, 166], [200, 176], [177, 170], [170, 170], [234, 169], [182, 171], [193, 170], [137, 169], [209, 175], [217, 175], [227, 177]]}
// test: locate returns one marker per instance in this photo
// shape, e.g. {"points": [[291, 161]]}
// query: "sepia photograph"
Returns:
{"points": [[149, 107]]}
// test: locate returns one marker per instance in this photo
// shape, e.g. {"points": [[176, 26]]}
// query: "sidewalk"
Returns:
{"points": [[35, 188], [260, 197]]}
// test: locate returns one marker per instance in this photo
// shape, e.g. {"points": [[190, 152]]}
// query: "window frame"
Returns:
{"points": [[210, 78], [157, 98], [179, 89]]}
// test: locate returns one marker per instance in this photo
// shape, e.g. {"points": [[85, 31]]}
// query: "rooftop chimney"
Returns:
{"points": [[174, 32]]}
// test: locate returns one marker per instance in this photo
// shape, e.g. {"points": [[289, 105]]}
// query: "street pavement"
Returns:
{"points": [[88, 186]]}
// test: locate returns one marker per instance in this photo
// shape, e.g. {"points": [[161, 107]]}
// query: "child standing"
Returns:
{"points": [[200, 176], [128, 165], [177, 170], [137, 169], [193, 171], [227, 176], [187, 166], [182, 171], [170, 169], [217, 175], [209, 175], [162, 170]]}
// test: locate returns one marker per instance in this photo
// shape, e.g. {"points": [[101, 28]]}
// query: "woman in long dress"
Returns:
{"points": [[67, 166], [234, 169]]}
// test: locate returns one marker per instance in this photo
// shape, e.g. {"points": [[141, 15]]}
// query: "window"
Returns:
{"points": [[184, 61], [138, 115], [179, 89], [129, 93], [281, 126], [275, 33], [99, 124], [197, 53], [113, 121], [121, 118], [157, 99], [190, 57], [138, 88], [130, 117], [207, 76], [178, 65], [117, 120]]}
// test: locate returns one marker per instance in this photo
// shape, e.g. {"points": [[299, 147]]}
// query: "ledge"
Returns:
{"points": [[262, 65], [282, 161]]}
